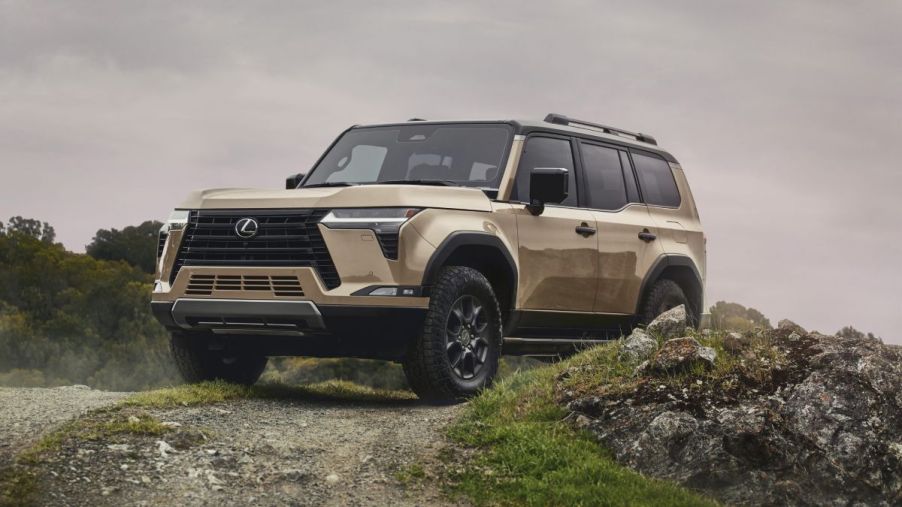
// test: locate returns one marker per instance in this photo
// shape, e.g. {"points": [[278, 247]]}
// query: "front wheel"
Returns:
{"points": [[197, 362], [458, 352]]}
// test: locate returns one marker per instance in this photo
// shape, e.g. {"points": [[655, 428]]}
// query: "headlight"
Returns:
{"points": [[379, 220], [178, 219]]}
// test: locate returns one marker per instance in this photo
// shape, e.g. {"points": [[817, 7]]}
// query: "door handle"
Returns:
{"points": [[585, 230], [647, 236]]}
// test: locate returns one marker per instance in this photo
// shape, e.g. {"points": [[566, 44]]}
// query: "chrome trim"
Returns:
{"points": [[183, 308]]}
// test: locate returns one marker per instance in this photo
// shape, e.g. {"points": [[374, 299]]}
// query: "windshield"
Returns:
{"points": [[453, 154]]}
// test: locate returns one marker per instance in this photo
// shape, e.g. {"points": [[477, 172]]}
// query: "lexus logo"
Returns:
{"points": [[246, 228]]}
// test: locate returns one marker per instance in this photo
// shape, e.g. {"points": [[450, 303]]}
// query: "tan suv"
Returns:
{"points": [[436, 244]]}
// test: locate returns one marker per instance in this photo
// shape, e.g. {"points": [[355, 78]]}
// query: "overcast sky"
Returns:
{"points": [[787, 116]]}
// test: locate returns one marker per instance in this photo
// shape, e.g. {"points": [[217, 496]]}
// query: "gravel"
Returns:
{"points": [[28, 413], [244, 452]]}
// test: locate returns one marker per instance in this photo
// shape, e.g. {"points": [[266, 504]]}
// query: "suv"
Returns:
{"points": [[436, 244]]}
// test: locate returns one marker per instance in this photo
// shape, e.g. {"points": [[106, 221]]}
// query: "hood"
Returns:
{"points": [[362, 196]]}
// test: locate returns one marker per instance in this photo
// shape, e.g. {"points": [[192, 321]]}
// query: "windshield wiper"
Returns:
{"points": [[330, 184], [443, 183]]}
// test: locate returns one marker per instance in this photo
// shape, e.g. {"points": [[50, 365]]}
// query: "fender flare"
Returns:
{"points": [[469, 238], [663, 262]]}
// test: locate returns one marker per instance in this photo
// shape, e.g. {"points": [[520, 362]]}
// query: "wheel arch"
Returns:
{"points": [[682, 270], [484, 252]]}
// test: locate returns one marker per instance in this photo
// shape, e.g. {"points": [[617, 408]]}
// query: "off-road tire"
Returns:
{"points": [[197, 363], [664, 295], [427, 365]]}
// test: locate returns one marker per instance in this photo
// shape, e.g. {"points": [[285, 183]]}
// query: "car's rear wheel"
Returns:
{"points": [[664, 295], [197, 362], [458, 351]]}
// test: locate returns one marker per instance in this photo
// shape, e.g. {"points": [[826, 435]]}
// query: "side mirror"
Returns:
{"points": [[547, 185], [293, 181]]}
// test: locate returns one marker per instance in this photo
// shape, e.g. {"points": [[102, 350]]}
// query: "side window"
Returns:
{"points": [[632, 191], [545, 152], [605, 188], [656, 180]]}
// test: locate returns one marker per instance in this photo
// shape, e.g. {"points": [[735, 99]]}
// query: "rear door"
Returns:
{"points": [[625, 252], [558, 264]]}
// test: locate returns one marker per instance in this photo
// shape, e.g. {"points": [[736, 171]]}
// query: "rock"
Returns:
{"points": [[171, 424], [680, 354], [164, 449], [824, 428], [734, 343], [670, 324], [119, 447], [637, 346], [791, 326], [332, 478], [133, 419]]}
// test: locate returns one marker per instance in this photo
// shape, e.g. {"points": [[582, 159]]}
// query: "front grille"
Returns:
{"points": [[285, 238], [205, 285]]}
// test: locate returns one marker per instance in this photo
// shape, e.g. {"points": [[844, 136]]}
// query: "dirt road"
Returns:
{"points": [[242, 452]]}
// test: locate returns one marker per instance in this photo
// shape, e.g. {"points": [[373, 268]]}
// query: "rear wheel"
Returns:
{"points": [[664, 295], [197, 362], [458, 352]]}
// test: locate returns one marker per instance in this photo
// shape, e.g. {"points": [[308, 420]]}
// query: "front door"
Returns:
{"points": [[558, 252]]}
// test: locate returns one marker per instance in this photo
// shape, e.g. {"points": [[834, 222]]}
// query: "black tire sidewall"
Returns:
{"points": [[664, 295], [485, 295], [427, 365], [197, 363]]}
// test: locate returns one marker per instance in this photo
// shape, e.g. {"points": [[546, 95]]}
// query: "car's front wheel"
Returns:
{"points": [[197, 362], [458, 351]]}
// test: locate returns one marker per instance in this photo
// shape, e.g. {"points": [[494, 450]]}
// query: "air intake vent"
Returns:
{"points": [[389, 243], [206, 285], [285, 238]]}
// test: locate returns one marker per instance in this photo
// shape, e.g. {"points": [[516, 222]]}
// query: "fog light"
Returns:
{"points": [[384, 291]]}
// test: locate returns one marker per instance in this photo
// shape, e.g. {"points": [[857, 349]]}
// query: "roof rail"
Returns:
{"points": [[560, 119]]}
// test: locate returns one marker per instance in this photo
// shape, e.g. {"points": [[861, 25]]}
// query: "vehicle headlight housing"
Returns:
{"points": [[384, 222], [379, 220], [177, 220]]}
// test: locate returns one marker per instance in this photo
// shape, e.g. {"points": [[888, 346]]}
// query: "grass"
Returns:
{"points": [[97, 425], [206, 393], [18, 486], [527, 455], [411, 474]]}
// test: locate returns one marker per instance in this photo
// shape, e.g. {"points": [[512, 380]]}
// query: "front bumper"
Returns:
{"points": [[296, 328]]}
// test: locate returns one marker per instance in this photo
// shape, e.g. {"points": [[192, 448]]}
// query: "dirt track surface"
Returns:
{"points": [[256, 452], [28, 413]]}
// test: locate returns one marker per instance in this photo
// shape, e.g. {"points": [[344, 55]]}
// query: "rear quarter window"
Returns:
{"points": [[656, 180]]}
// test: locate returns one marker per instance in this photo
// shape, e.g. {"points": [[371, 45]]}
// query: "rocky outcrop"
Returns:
{"points": [[799, 419], [637, 346], [670, 324], [680, 355]]}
